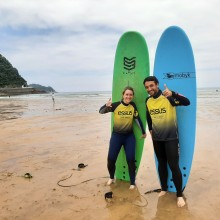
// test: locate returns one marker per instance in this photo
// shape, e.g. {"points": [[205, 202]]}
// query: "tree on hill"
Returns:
{"points": [[9, 76]]}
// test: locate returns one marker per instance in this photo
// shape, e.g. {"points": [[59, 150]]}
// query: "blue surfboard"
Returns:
{"points": [[174, 66]]}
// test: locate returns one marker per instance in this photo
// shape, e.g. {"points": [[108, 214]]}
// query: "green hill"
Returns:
{"points": [[47, 89], [11, 82], [9, 76]]}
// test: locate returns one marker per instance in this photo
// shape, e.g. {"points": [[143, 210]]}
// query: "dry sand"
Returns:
{"points": [[51, 144]]}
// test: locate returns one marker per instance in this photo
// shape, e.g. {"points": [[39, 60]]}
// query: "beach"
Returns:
{"points": [[48, 140]]}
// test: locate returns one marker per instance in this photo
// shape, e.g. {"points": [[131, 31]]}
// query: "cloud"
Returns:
{"points": [[63, 42]]}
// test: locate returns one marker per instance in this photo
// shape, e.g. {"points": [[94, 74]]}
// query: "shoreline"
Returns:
{"points": [[19, 91]]}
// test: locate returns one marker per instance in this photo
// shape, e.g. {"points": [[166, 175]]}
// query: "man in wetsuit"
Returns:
{"points": [[162, 124]]}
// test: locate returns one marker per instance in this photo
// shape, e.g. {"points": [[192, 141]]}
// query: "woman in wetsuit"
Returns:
{"points": [[125, 111]]}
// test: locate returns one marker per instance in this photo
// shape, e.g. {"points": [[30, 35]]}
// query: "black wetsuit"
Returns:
{"points": [[122, 134], [161, 119]]}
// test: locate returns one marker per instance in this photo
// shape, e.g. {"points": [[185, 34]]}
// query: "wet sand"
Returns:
{"points": [[50, 141]]}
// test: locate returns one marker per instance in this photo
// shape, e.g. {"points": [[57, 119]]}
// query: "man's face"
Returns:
{"points": [[151, 87]]}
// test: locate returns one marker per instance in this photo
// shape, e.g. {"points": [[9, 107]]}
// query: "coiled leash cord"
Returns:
{"points": [[109, 195], [154, 190], [80, 166], [58, 183]]}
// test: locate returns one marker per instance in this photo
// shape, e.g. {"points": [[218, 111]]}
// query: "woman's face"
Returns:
{"points": [[128, 96]]}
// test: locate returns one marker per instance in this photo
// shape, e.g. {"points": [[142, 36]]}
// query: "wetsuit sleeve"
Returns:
{"points": [[149, 120], [140, 125], [177, 99], [137, 118], [104, 109]]}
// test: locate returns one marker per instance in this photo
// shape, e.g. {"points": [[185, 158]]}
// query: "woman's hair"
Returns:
{"points": [[127, 88]]}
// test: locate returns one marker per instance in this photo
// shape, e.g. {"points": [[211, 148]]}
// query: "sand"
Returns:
{"points": [[50, 141]]}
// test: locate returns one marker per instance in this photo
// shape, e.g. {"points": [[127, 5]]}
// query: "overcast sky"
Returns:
{"points": [[70, 44]]}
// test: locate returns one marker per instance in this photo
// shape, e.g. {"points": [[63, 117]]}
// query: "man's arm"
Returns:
{"points": [[149, 121], [180, 99], [175, 98]]}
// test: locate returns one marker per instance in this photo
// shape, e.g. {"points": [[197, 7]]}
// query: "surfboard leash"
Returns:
{"points": [[58, 183], [108, 195], [152, 191]]}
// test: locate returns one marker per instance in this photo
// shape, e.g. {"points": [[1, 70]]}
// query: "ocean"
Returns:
{"points": [[80, 102]]}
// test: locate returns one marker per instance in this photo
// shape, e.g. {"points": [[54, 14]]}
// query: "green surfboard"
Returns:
{"points": [[130, 68]]}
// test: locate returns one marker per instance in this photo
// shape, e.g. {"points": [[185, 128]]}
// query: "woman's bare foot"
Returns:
{"points": [[180, 202], [162, 193], [132, 187], [110, 181]]}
